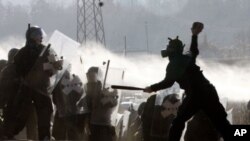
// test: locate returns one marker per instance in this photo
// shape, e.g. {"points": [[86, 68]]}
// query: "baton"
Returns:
{"points": [[126, 87]]}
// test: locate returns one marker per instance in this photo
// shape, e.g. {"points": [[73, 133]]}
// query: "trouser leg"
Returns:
{"points": [[73, 131], [44, 111], [216, 112], [187, 109], [17, 112], [31, 124], [59, 128]]}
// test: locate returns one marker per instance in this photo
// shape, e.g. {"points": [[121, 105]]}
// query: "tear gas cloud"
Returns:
{"points": [[231, 81], [143, 70]]}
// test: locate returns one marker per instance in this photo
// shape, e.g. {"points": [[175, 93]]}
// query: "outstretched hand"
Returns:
{"points": [[197, 28]]}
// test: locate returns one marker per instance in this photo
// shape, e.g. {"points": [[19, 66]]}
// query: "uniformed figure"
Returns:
{"points": [[9, 83], [34, 86], [200, 92], [101, 104], [68, 121], [8, 79]]}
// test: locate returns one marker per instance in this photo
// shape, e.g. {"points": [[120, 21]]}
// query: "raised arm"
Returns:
{"points": [[194, 46], [196, 29]]}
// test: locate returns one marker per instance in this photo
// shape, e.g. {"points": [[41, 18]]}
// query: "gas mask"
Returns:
{"points": [[174, 46]]}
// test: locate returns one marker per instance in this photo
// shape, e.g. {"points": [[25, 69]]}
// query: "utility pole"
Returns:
{"points": [[146, 30], [125, 46]]}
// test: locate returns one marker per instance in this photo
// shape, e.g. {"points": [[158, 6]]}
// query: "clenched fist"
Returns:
{"points": [[197, 28]]}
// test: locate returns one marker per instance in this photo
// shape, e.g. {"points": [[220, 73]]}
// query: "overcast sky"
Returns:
{"points": [[223, 19]]}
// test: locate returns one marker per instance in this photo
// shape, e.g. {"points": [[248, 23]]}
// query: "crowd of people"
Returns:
{"points": [[78, 111], [69, 109]]}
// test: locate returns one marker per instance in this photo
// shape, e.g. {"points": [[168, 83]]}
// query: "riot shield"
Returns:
{"points": [[102, 102], [175, 89], [119, 125], [67, 94], [67, 49], [125, 124], [115, 76], [64, 46]]}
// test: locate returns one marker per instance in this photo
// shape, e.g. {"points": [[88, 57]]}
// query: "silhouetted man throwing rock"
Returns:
{"points": [[201, 94]]}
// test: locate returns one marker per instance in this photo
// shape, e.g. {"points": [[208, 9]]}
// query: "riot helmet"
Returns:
{"points": [[3, 63], [93, 74], [35, 34], [12, 54]]}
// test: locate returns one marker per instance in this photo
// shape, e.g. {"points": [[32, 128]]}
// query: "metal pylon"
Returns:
{"points": [[90, 21]]}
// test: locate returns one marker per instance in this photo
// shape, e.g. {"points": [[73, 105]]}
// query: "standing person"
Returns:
{"points": [[101, 104], [163, 117], [9, 83], [67, 121], [8, 79], [35, 83], [200, 92]]}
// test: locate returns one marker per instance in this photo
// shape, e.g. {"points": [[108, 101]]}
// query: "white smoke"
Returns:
{"points": [[137, 70], [10, 42], [231, 81]]}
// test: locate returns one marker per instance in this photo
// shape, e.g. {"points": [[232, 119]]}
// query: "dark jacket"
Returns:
{"points": [[29, 66], [194, 132], [147, 117], [183, 70], [26, 58], [9, 83]]}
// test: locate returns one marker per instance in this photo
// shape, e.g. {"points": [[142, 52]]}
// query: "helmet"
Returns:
{"points": [[174, 46], [34, 32], [2, 64], [12, 53], [93, 70]]}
